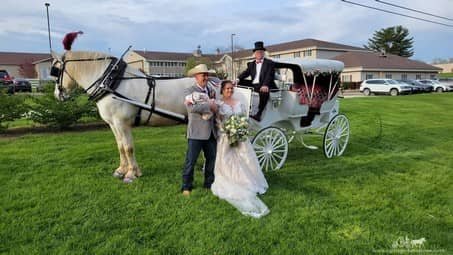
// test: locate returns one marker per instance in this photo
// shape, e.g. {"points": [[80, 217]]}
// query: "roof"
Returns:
{"points": [[373, 60], [43, 60], [313, 65], [305, 43], [172, 56], [18, 58]]}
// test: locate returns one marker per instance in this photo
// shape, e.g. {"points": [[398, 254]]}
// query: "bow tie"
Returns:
{"points": [[259, 61]]}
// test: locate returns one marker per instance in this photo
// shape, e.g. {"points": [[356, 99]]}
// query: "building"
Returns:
{"points": [[446, 68], [169, 64], [306, 49], [42, 68], [360, 63], [20, 64], [360, 66], [166, 64]]}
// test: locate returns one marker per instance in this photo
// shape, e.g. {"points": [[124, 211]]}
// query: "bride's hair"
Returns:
{"points": [[223, 84]]}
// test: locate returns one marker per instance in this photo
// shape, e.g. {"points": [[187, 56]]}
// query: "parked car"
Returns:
{"points": [[415, 89], [423, 87], [438, 87], [384, 86], [448, 80], [21, 85], [5, 79]]}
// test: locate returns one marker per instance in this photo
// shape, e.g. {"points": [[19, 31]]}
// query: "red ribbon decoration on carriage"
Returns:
{"points": [[69, 39]]}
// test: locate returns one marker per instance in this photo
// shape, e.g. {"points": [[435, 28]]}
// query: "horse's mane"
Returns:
{"points": [[71, 55]]}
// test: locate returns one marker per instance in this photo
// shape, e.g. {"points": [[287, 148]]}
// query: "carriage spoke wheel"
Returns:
{"points": [[271, 148], [336, 136]]}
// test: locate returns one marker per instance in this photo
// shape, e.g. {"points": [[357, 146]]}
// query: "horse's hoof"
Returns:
{"points": [[118, 175], [128, 180]]}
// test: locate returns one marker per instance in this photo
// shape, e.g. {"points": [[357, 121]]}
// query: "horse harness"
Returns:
{"points": [[108, 82]]}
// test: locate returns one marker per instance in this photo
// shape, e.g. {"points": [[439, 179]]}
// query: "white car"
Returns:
{"points": [[384, 86], [438, 87]]}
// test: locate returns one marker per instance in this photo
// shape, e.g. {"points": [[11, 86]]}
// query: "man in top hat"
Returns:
{"points": [[262, 72], [201, 133]]}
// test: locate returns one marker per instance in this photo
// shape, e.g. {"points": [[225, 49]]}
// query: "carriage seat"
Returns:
{"points": [[320, 95]]}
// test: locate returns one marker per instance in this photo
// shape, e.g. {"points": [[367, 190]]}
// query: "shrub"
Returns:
{"points": [[47, 86], [11, 108], [61, 114]]}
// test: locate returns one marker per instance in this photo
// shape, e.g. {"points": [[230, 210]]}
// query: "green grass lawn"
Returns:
{"points": [[394, 180], [446, 75]]}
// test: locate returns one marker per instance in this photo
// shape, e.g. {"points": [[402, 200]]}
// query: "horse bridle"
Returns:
{"points": [[59, 72]]}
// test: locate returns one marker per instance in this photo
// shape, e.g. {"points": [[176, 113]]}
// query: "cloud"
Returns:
{"points": [[181, 25]]}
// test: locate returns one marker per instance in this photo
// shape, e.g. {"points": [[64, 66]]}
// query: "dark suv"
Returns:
{"points": [[21, 85]]}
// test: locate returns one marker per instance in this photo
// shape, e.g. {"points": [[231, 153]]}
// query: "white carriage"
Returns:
{"points": [[305, 103]]}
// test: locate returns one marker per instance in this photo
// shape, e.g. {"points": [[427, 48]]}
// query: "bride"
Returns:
{"points": [[238, 176]]}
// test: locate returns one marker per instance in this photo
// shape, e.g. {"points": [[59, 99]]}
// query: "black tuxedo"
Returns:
{"points": [[266, 75]]}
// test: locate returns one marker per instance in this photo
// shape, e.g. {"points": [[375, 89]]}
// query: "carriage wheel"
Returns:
{"points": [[271, 148], [336, 136]]}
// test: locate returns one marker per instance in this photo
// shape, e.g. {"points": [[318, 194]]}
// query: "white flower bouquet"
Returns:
{"points": [[236, 129]]}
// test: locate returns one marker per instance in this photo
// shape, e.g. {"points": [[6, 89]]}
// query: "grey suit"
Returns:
{"points": [[198, 128], [201, 135]]}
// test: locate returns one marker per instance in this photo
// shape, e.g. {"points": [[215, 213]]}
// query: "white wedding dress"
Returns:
{"points": [[238, 175]]}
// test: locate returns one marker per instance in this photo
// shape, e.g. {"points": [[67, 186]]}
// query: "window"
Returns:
{"points": [[368, 76], [346, 78], [307, 53], [404, 76], [388, 76], [297, 54], [376, 82], [276, 56], [418, 76], [432, 76]]}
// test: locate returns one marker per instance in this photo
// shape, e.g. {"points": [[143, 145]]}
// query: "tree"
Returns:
{"points": [[394, 40], [193, 61]]}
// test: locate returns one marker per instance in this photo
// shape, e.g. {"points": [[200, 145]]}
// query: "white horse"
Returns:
{"points": [[85, 68]]}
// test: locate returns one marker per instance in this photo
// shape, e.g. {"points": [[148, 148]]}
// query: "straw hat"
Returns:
{"points": [[212, 72], [201, 68]]}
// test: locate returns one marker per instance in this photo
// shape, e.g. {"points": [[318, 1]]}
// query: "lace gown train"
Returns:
{"points": [[238, 175]]}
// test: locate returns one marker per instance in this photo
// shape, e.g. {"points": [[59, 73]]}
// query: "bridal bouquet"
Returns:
{"points": [[236, 129]]}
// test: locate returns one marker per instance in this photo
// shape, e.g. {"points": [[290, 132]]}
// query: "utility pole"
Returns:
{"points": [[48, 25], [232, 57]]}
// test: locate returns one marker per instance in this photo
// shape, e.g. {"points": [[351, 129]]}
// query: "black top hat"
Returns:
{"points": [[259, 46]]}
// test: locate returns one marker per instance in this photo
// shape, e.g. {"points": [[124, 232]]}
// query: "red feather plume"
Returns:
{"points": [[69, 39]]}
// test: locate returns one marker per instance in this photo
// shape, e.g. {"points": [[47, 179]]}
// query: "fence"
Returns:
{"points": [[350, 85]]}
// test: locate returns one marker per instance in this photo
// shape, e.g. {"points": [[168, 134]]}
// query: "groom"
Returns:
{"points": [[201, 132]]}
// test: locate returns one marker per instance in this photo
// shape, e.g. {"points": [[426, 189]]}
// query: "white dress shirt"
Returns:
{"points": [[258, 71]]}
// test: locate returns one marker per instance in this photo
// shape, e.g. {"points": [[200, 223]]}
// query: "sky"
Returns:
{"points": [[182, 25]]}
